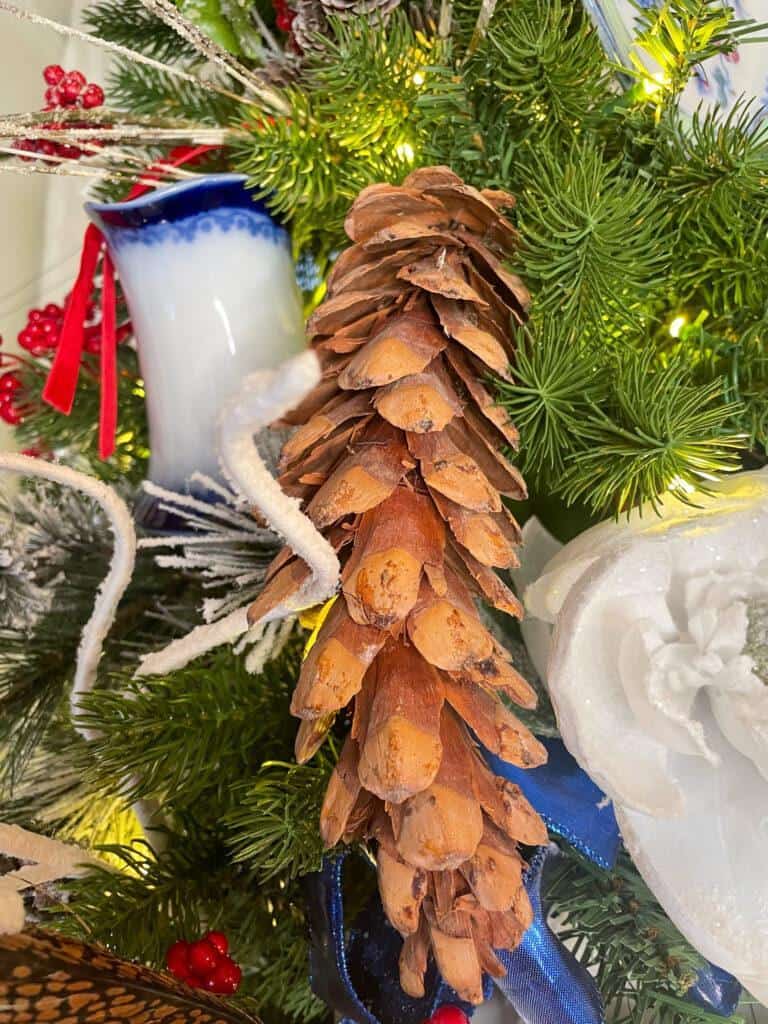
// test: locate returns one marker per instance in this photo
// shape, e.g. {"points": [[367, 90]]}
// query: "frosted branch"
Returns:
{"points": [[117, 579], [267, 395]]}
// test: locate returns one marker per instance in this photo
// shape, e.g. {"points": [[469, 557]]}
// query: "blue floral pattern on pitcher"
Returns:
{"points": [[258, 225]]}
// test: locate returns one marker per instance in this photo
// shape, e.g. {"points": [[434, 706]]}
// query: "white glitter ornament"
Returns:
{"points": [[652, 635]]}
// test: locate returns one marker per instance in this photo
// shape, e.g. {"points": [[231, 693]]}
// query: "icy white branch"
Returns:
{"points": [[117, 579], [265, 396]]}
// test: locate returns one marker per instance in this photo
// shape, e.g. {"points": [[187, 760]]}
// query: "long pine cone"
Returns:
{"points": [[397, 460]]}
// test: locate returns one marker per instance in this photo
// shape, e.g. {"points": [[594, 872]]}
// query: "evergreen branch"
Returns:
{"points": [[643, 966], [282, 976], [129, 23], [275, 828], [724, 265], [144, 729], [592, 242], [149, 90], [545, 61], [659, 433], [141, 909], [557, 381], [77, 434], [679, 35], [338, 136], [714, 166]]}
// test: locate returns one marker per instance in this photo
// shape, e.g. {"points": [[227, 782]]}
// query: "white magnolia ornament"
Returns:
{"points": [[652, 634]]}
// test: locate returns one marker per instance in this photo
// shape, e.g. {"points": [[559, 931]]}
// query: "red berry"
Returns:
{"points": [[227, 977], [209, 984], [284, 20], [9, 383], [448, 1014], [93, 96], [177, 959], [74, 78], [26, 338], [53, 73], [52, 98], [219, 941], [10, 414], [92, 342], [203, 958], [71, 86]]}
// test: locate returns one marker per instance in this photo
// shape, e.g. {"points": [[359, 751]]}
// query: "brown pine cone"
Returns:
{"points": [[312, 16], [397, 458]]}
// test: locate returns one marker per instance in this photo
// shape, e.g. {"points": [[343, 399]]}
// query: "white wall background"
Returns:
{"points": [[41, 218]]}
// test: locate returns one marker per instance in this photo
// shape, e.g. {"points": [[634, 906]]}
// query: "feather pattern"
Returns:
{"points": [[45, 977]]}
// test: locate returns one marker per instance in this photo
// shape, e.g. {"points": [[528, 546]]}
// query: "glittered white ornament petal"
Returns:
{"points": [[660, 699]]}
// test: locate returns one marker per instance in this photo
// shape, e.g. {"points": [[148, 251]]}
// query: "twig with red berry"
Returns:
{"points": [[66, 90]]}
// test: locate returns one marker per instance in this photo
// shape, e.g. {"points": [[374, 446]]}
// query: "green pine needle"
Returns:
{"points": [[642, 965], [129, 23], [76, 435], [661, 433], [557, 380], [275, 828], [237, 720], [592, 241], [547, 64]]}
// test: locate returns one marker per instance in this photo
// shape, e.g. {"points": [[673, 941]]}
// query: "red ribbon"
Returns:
{"points": [[61, 385]]}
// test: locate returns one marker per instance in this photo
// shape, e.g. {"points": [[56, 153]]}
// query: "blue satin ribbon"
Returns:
{"points": [[545, 983], [357, 973], [715, 990], [568, 800]]}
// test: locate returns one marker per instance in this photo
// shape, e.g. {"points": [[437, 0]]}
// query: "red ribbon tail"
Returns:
{"points": [[108, 408], [60, 387]]}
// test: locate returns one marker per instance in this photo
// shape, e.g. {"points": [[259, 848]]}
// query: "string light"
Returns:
{"points": [[418, 78], [677, 325], [681, 486], [655, 83], [405, 151]]}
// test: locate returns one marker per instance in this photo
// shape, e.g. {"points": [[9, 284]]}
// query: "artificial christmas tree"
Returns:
{"points": [[398, 460]]}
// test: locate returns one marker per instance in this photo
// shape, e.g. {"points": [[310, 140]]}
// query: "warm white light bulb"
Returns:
{"points": [[677, 325]]}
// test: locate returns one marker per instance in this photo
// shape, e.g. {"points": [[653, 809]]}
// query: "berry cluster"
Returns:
{"points": [[66, 90], [205, 964], [10, 385], [70, 89], [284, 15], [43, 327]]}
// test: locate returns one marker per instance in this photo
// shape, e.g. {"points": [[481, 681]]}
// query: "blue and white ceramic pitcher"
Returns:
{"points": [[209, 281]]}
